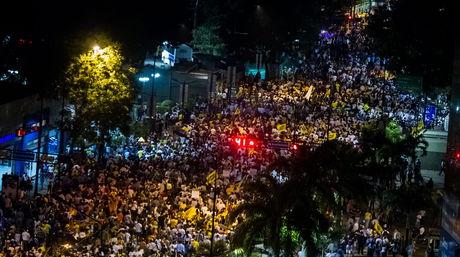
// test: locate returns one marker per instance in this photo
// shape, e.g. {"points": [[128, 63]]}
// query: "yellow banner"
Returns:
{"points": [[416, 131], [189, 214], [332, 136], [281, 127], [211, 178]]}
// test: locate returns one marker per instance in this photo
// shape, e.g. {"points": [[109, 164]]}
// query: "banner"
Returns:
{"points": [[211, 178], [332, 136], [366, 107], [281, 127], [418, 130], [189, 214], [186, 128]]}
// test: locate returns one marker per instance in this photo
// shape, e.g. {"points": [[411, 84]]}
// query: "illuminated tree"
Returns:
{"points": [[101, 92]]}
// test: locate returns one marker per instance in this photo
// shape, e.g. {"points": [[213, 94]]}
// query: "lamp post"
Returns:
{"points": [[143, 80], [154, 76], [152, 113]]}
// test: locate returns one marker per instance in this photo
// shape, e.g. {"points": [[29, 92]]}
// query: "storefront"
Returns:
{"points": [[25, 140]]}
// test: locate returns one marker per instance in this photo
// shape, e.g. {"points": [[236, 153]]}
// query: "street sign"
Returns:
{"points": [[23, 155], [278, 144], [409, 83]]}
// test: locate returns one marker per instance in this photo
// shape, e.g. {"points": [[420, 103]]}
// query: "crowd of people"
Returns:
{"points": [[154, 197]]}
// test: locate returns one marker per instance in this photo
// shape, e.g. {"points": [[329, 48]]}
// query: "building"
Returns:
{"points": [[19, 134], [23, 116], [179, 75], [450, 225]]}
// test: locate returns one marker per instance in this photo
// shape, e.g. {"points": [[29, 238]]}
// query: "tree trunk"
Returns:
{"points": [[276, 248]]}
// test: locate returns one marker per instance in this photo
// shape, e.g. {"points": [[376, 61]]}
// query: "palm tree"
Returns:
{"points": [[263, 214], [383, 144], [295, 198]]}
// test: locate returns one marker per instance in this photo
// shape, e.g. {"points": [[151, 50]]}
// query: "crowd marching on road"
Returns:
{"points": [[153, 197]]}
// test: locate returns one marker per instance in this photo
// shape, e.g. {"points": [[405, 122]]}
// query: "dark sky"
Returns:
{"points": [[127, 20]]}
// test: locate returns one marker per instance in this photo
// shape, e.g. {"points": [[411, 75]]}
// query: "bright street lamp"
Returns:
{"points": [[156, 75], [97, 49], [144, 79]]}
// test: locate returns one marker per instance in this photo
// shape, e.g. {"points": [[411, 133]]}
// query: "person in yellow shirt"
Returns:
{"points": [[368, 218]]}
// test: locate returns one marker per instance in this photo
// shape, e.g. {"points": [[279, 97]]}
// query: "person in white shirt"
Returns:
{"points": [[25, 236]]}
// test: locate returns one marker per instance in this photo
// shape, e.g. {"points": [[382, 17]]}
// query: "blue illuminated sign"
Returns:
{"points": [[7, 138], [430, 114]]}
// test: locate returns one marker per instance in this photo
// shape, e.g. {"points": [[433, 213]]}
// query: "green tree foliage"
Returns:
{"points": [[406, 201], [164, 106], [207, 40], [101, 91], [302, 200], [220, 249], [384, 143]]}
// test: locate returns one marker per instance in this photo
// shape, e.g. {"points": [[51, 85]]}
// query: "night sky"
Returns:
{"points": [[59, 29], [139, 24]]}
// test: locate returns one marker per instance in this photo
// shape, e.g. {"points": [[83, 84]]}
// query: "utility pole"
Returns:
{"points": [[194, 15], [152, 98], [61, 131], [214, 199], [40, 128]]}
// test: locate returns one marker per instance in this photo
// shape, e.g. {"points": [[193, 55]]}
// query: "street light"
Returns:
{"points": [[156, 75], [144, 79], [97, 49]]}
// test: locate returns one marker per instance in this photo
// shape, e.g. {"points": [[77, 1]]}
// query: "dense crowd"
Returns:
{"points": [[154, 196]]}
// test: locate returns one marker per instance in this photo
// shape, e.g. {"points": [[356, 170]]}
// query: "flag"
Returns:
{"points": [[189, 214], [337, 87], [332, 136], [365, 107], [211, 178], [237, 111], [334, 105], [310, 91], [281, 127], [230, 189], [378, 228], [186, 128], [328, 92], [416, 131]]}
